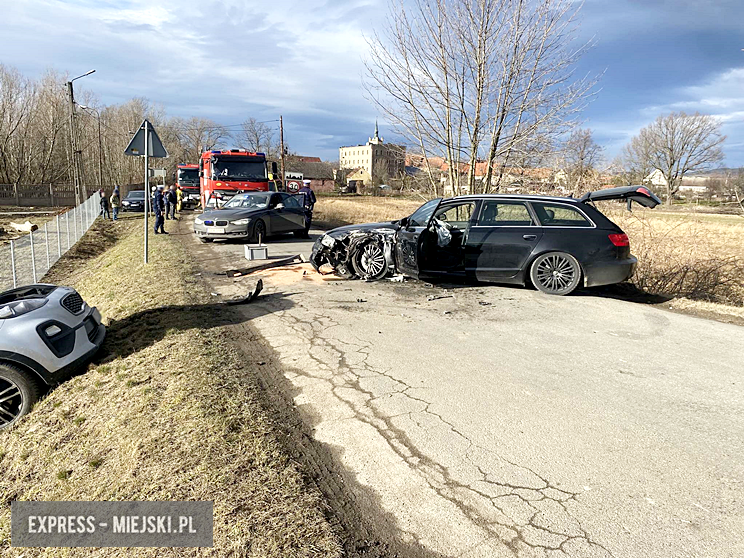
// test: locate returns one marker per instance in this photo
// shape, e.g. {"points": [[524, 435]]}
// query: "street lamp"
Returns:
{"points": [[77, 164], [100, 143]]}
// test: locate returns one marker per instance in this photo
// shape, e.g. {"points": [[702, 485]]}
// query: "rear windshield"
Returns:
{"points": [[559, 215]]}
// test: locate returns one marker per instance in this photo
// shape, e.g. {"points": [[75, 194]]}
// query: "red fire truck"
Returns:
{"points": [[226, 173], [187, 178]]}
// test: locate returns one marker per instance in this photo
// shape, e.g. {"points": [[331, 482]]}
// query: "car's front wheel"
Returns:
{"points": [[556, 273], [259, 231], [369, 260], [205, 240], [18, 393]]}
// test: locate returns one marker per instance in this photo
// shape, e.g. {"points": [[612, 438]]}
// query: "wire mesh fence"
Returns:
{"points": [[26, 260]]}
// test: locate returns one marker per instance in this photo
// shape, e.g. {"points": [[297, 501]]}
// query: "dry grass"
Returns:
{"points": [[335, 212], [171, 413], [695, 256]]}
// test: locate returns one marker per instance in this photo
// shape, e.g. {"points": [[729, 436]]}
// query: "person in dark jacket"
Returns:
{"points": [[104, 205], [308, 202], [171, 201], [158, 206]]}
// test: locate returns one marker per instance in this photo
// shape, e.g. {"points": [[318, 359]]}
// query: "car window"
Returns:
{"points": [[421, 216], [559, 215], [496, 213], [291, 202], [457, 216], [275, 199]]}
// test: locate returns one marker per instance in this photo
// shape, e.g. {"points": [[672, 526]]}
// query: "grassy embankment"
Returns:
{"points": [[698, 256], [171, 412]]}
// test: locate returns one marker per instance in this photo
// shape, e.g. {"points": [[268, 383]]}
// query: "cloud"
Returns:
{"points": [[226, 60]]}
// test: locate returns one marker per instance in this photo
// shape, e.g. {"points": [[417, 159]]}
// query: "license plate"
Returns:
{"points": [[216, 230]]}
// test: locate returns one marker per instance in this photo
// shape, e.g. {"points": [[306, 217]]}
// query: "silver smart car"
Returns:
{"points": [[46, 333]]}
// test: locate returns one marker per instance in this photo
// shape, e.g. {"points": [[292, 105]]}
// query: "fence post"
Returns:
{"points": [[75, 222], [67, 223], [33, 256], [59, 238], [46, 241], [12, 263], [51, 194], [17, 194]]}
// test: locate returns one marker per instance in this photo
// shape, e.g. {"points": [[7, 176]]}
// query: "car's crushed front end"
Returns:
{"points": [[365, 251], [49, 330]]}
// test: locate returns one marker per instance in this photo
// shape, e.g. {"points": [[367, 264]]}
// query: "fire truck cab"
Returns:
{"points": [[226, 173], [187, 179]]}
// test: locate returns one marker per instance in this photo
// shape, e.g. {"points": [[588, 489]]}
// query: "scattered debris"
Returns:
{"points": [[397, 278], [484, 303], [296, 259], [435, 297], [24, 227], [251, 295], [446, 312], [361, 300]]}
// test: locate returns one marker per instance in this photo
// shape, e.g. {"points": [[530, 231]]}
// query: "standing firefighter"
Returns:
{"points": [[308, 202], [158, 206], [115, 203]]}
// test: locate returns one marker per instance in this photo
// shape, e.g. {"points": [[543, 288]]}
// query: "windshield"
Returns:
{"points": [[421, 216], [240, 170], [188, 176], [137, 195], [248, 201]]}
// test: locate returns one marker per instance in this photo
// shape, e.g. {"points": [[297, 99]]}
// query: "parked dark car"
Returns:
{"points": [[134, 201], [254, 216], [554, 243]]}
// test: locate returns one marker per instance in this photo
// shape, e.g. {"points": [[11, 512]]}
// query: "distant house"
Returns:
{"points": [[359, 177], [376, 157], [304, 159], [656, 178]]}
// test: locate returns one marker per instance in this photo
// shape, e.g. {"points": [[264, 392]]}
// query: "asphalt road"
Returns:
{"points": [[498, 421]]}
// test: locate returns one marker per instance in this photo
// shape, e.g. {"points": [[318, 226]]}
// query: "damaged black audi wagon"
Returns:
{"points": [[553, 243]]}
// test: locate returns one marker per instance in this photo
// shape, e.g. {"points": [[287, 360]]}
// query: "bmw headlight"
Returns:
{"points": [[18, 308], [198, 221], [241, 222], [327, 241], [125, 203]]}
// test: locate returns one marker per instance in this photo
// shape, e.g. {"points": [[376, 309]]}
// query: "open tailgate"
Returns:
{"points": [[638, 194]]}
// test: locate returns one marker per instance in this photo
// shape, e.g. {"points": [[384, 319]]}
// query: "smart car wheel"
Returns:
{"points": [[259, 231], [369, 260], [555, 273], [18, 393]]}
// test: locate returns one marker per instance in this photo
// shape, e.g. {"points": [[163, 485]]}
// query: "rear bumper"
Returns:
{"points": [[610, 272]]}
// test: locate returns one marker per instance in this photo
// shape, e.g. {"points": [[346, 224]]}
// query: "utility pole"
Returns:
{"points": [[73, 144], [77, 163], [281, 146]]}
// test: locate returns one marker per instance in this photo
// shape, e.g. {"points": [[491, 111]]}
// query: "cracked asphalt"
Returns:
{"points": [[498, 421]]}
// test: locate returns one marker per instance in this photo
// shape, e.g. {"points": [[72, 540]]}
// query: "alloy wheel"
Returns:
{"points": [[11, 401], [556, 273]]}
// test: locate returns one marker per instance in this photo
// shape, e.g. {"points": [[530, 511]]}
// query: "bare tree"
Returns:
{"points": [[201, 134], [581, 154], [680, 143], [477, 79], [259, 137]]}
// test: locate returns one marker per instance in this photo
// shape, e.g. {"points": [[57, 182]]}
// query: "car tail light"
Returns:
{"points": [[644, 191], [619, 239]]}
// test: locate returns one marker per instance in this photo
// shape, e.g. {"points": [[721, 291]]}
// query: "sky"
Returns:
{"points": [[230, 59]]}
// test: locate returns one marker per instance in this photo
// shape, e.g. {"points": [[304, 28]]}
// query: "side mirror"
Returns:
{"points": [[201, 174], [403, 222], [279, 206]]}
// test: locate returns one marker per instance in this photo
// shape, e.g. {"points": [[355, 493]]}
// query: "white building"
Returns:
{"points": [[376, 157]]}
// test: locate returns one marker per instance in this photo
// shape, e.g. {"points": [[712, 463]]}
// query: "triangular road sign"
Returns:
{"points": [[155, 147]]}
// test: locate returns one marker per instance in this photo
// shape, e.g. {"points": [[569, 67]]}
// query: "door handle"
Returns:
{"points": [[529, 236]]}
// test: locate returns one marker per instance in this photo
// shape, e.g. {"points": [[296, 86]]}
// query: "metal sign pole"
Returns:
{"points": [[147, 189]]}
